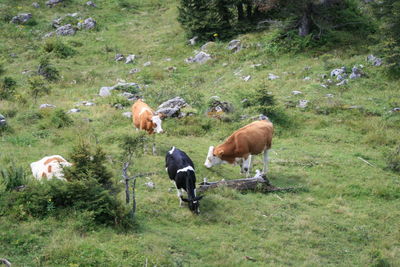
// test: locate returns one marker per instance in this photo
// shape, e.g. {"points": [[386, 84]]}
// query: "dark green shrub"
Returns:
{"points": [[60, 119], [12, 177], [48, 71], [38, 86], [7, 88], [393, 160], [60, 49]]}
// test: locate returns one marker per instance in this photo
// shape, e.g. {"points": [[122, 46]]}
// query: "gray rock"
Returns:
{"points": [[193, 40], [224, 64], [272, 77], [50, 34], [133, 71], [3, 121], [337, 72], [65, 30], [35, 5], [127, 114], [91, 3], [52, 3], [118, 106], [119, 57], [307, 78], [121, 86], [21, 18], [302, 103], [150, 185], [393, 110], [46, 106], [216, 107], [329, 95], [87, 24], [201, 58], [74, 110], [148, 63], [256, 65], [172, 107], [344, 82], [171, 68], [355, 73], [296, 93], [341, 77], [324, 85], [375, 61], [87, 103], [235, 46], [105, 91], [206, 45], [246, 78], [130, 59]]}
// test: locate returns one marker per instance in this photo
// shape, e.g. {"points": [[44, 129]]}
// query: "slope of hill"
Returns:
{"points": [[336, 147]]}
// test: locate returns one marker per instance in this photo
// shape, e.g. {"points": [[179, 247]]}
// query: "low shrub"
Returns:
{"points": [[48, 71], [393, 160], [7, 88], [12, 177], [59, 49], [60, 119]]}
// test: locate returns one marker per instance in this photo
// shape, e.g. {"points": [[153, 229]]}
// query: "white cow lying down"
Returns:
{"points": [[49, 167]]}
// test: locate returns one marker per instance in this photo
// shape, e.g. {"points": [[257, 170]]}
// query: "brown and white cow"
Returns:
{"points": [[49, 167], [144, 118], [238, 148]]}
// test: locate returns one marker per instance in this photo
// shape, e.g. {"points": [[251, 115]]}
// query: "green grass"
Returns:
{"points": [[347, 215]]}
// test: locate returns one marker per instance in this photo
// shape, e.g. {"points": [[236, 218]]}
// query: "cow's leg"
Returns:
{"points": [[265, 167], [179, 193], [247, 165], [154, 145]]}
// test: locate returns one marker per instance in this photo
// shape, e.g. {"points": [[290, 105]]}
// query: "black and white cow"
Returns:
{"points": [[180, 170]]}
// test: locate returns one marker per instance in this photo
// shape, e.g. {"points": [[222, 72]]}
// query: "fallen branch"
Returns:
{"points": [[258, 182], [5, 262], [360, 158]]}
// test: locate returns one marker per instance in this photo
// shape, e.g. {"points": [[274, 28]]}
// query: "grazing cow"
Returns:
{"points": [[144, 118], [49, 167], [180, 170], [249, 140]]}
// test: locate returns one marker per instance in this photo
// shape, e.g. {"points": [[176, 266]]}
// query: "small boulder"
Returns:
{"points": [[344, 82], [150, 185], [65, 30], [91, 3], [35, 5], [218, 108], [246, 78], [21, 18], [52, 3], [329, 95], [3, 121], [74, 110], [87, 24], [127, 114], [172, 107], [130, 59], [375, 61], [393, 110], [119, 57], [235, 46], [356, 73], [272, 77], [201, 58], [193, 40], [42, 106], [121, 86], [307, 78], [302, 103], [50, 34], [146, 64], [133, 71], [296, 93], [336, 72]]}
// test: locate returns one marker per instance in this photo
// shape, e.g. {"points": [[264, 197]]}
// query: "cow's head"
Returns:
{"points": [[156, 119], [194, 204], [213, 157]]}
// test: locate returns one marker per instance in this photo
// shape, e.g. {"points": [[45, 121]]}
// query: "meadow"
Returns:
{"points": [[336, 149]]}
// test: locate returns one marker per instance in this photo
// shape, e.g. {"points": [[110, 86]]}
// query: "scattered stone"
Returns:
{"points": [[52, 3], [21, 18], [50, 34], [329, 95], [296, 93], [375, 61], [246, 78], [217, 108], [130, 59], [13, 55], [119, 57], [341, 77], [235, 46], [344, 82], [87, 24], [148, 63], [324, 85], [206, 45], [307, 68], [302, 103], [224, 64], [323, 76], [393, 110], [65, 30], [118, 106], [74, 110], [87, 103], [272, 77], [172, 107], [171, 68], [150, 185], [127, 114], [3, 121], [355, 73], [201, 58], [337, 72], [193, 40], [168, 59], [35, 5], [46, 106], [237, 72], [256, 65], [91, 3], [133, 71], [121, 86], [307, 78]]}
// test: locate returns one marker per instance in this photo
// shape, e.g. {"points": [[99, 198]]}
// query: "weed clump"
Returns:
{"points": [[59, 49], [7, 88], [393, 160], [48, 71], [12, 177]]}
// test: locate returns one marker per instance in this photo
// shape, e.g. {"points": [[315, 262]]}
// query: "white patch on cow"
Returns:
{"points": [[143, 111], [172, 150], [40, 169], [157, 121], [188, 168], [212, 160]]}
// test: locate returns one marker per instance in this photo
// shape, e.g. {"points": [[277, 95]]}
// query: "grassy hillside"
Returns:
{"points": [[347, 215]]}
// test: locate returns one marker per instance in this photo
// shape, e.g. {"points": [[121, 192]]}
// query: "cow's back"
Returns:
{"points": [[139, 113]]}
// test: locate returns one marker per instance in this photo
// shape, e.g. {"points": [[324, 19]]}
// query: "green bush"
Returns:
{"points": [[38, 86], [393, 160], [57, 47], [7, 88], [60, 119], [48, 71], [12, 177]]}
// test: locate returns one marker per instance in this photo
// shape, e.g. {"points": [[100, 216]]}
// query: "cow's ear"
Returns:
{"points": [[219, 152], [198, 198]]}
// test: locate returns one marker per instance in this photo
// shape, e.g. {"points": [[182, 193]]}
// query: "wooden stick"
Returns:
{"points": [[360, 158], [5, 262]]}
